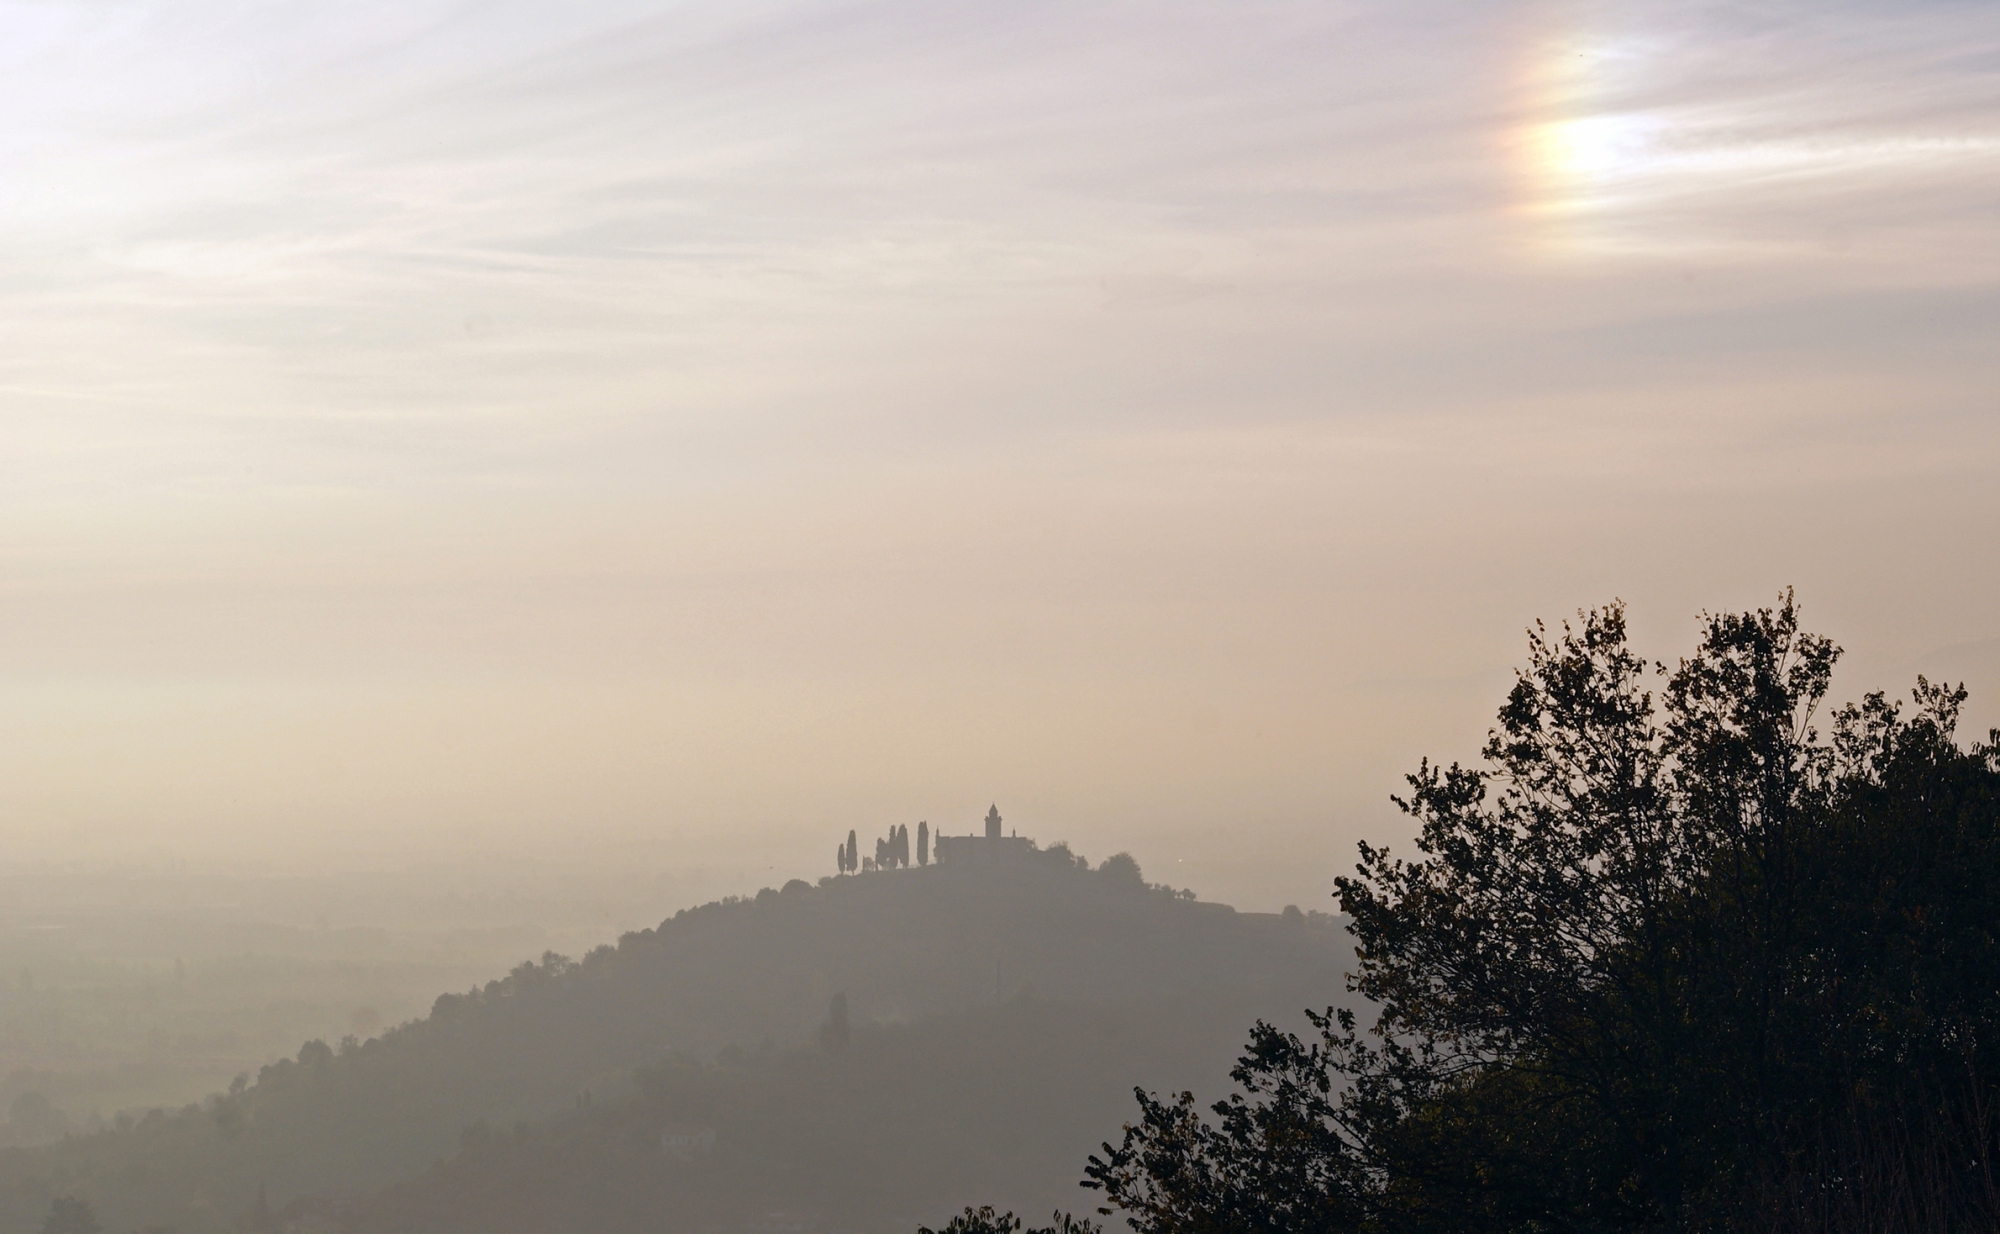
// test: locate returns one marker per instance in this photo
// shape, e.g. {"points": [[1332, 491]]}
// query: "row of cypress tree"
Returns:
{"points": [[890, 852]]}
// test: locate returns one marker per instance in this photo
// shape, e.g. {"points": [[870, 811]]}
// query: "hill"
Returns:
{"points": [[1098, 980], [999, 1104]]}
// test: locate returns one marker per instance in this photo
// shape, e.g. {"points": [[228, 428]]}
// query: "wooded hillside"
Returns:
{"points": [[1051, 949]]}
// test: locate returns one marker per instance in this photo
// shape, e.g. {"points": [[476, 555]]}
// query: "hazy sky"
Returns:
{"points": [[718, 425]]}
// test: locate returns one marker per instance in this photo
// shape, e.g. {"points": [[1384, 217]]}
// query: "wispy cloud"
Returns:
{"points": [[1023, 371]]}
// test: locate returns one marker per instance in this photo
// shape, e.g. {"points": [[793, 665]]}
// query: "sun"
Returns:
{"points": [[1574, 155]]}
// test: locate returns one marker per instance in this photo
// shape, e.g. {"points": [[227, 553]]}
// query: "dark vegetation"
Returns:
{"points": [[856, 1054], [1671, 961], [985, 1221]]}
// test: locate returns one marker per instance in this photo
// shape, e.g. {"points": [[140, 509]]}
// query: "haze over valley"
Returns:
{"points": [[839, 616]]}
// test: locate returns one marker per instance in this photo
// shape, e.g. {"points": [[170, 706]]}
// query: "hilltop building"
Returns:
{"points": [[991, 849]]}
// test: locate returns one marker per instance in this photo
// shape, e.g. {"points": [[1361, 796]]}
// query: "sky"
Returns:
{"points": [[682, 432]]}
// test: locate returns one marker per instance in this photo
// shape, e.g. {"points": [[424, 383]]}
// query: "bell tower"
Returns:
{"points": [[992, 822]]}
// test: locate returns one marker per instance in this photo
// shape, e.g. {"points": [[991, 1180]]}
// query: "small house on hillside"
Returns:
{"points": [[991, 849]]}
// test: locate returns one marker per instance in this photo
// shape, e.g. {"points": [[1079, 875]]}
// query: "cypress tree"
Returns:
{"points": [[923, 843]]}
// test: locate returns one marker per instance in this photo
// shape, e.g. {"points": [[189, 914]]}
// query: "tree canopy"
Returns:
{"points": [[1671, 959]]}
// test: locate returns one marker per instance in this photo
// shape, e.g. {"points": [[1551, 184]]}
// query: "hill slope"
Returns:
{"points": [[996, 1105]]}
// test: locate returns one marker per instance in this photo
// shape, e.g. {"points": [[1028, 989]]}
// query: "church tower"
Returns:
{"points": [[993, 822]]}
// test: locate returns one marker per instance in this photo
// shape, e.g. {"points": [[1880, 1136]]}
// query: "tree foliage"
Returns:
{"points": [[1670, 960], [68, 1215], [983, 1220]]}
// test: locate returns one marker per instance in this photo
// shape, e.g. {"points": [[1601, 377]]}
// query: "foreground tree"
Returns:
{"points": [[1667, 962]]}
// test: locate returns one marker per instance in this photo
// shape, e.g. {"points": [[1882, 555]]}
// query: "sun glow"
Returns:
{"points": [[1581, 162], [1575, 155], [1608, 156]]}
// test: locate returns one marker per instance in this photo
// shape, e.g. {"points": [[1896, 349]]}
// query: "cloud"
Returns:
{"points": [[848, 387]]}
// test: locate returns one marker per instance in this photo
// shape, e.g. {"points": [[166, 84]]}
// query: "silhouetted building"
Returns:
{"points": [[991, 849]]}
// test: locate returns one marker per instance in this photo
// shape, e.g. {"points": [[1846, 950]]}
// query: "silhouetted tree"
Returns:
{"points": [[840, 858], [853, 852], [834, 1031], [982, 1220], [923, 843], [1120, 868], [69, 1215], [261, 1221], [1668, 963]]}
